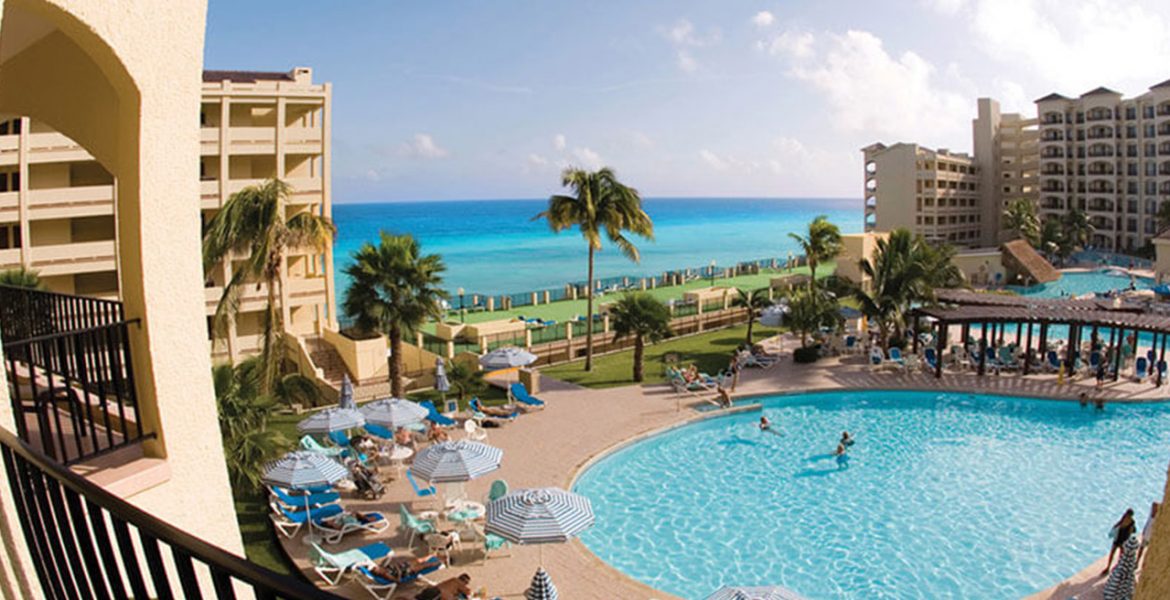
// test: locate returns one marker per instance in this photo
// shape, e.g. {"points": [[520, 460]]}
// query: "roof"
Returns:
{"points": [[1164, 84], [1100, 90], [1165, 235], [1053, 96], [1021, 256], [1145, 321], [970, 298], [246, 76]]}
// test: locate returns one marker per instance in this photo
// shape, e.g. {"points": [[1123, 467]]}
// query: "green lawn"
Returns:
{"points": [[710, 351], [565, 310]]}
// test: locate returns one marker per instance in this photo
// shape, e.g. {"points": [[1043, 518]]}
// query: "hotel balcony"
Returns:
{"points": [[305, 190], [261, 140], [301, 291], [71, 202], [77, 257]]}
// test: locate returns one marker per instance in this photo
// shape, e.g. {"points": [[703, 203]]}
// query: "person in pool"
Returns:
{"points": [[1084, 399], [724, 397], [842, 457], [1122, 530], [766, 426], [846, 439]]}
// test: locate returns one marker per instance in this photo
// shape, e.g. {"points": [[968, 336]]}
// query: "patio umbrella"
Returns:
{"points": [[346, 397], [772, 316], [763, 592], [453, 462], [393, 412], [304, 469], [539, 516], [441, 384], [1120, 584], [506, 358], [542, 587], [848, 312], [332, 419]]}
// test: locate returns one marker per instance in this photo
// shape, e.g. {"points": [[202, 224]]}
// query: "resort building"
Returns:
{"points": [[1108, 156], [948, 196], [58, 215]]}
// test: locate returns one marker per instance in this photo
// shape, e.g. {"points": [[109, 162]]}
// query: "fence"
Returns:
{"points": [[70, 377], [77, 533]]}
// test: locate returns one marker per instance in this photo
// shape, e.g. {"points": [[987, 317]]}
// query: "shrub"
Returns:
{"points": [[806, 355]]}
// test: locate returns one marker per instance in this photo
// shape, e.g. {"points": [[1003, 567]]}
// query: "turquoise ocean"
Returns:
{"points": [[494, 246]]}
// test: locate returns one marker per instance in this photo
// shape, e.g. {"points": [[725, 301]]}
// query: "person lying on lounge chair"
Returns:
{"points": [[436, 433], [406, 567], [495, 411], [455, 588]]}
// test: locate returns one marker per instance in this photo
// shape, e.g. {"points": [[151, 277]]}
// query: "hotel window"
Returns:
{"points": [[9, 236], [1148, 112], [1131, 206], [1130, 113], [1150, 130], [1151, 169], [1131, 150]]}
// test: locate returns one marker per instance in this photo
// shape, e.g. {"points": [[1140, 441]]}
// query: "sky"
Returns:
{"points": [[442, 100]]}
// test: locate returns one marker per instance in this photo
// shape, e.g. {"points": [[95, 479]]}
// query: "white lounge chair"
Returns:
{"points": [[333, 567]]}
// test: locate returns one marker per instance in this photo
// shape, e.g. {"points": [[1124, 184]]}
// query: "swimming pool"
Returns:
{"points": [[945, 495], [1076, 283]]}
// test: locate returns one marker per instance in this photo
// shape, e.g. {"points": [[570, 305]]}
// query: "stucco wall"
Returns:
{"points": [[1155, 579]]}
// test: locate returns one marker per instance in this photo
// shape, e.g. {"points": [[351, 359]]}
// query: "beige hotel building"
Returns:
{"points": [[1109, 157], [57, 205]]}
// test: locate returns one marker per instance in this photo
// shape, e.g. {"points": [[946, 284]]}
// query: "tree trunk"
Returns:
{"points": [[589, 316], [812, 271], [395, 361], [751, 321], [639, 349], [273, 327]]}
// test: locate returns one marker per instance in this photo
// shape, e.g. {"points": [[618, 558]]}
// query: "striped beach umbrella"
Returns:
{"points": [[452, 462], [542, 587], [506, 358], [332, 419], [764, 592], [539, 516], [393, 412], [302, 469]]}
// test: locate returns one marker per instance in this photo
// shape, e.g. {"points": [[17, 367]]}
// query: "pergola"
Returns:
{"points": [[995, 314]]}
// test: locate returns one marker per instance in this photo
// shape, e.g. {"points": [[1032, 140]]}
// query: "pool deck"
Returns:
{"points": [[550, 446]]}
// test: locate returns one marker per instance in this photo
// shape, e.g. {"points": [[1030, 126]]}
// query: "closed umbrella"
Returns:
{"points": [[304, 469], [346, 397], [506, 358], [452, 462], [332, 419], [542, 587], [772, 316], [764, 592], [393, 413], [441, 384]]}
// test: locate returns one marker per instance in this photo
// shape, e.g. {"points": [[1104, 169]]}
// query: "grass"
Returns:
{"points": [[565, 310], [261, 545], [709, 351]]}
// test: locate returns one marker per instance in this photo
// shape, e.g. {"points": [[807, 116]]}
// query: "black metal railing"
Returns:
{"points": [[84, 542], [70, 373]]}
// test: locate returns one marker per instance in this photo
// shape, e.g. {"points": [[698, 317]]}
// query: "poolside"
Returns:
{"points": [[551, 446]]}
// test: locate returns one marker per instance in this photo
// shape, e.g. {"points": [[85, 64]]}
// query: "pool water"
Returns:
{"points": [[1077, 283], [944, 495]]}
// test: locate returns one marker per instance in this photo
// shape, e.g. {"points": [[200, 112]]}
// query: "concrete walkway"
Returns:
{"points": [[548, 447]]}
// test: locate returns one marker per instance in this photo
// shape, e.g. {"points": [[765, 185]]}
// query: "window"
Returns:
{"points": [[1131, 187], [1148, 112], [1151, 169], [1131, 206], [1130, 113], [1151, 187], [1150, 130], [9, 236]]}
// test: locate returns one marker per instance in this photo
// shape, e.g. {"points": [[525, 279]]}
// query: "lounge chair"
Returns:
{"points": [[1161, 371], [301, 501], [379, 431], [478, 408], [419, 491], [851, 344], [520, 394], [346, 445], [289, 522], [1052, 362], [311, 444], [498, 490], [1140, 369], [930, 359], [475, 433], [1007, 360], [877, 359], [332, 567], [382, 588], [415, 525], [434, 416], [897, 358], [337, 527]]}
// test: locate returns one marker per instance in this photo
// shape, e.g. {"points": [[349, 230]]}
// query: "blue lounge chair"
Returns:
{"points": [[478, 408], [1162, 370], [343, 441], [299, 502], [434, 416], [896, 357], [1140, 369], [378, 431], [518, 392], [850, 344], [931, 358], [1006, 360], [1053, 361], [288, 522], [382, 588], [419, 491], [332, 567]]}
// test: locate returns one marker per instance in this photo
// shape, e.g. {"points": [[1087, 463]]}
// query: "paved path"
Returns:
{"points": [[547, 447]]}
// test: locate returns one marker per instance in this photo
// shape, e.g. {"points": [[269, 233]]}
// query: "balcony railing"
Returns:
{"points": [[77, 533], [70, 373]]}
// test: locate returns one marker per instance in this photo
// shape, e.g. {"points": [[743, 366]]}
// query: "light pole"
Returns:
{"points": [[462, 311], [711, 273]]}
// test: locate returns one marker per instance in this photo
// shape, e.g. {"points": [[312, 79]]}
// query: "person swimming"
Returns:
{"points": [[766, 426], [842, 457], [846, 439]]}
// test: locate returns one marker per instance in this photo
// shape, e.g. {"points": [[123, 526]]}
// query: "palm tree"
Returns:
{"points": [[243, 420], [1078, 230], [1052, 237], [1020, 218], [599, 202], [394, 290], [643, 316], [822, 243], [21, 277], [810, 309], [465, 380], [753, 302], [255, 223]]}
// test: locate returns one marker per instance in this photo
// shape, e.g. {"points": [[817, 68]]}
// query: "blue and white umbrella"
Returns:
{"points": [[763, 592], [393, 413], [303, 469], [506, 358], [332, 419], [453, 462], [539, 516], [542, 587], [441, 384], [346, 397]]}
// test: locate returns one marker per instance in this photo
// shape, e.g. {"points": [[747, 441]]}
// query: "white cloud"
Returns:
{"points": [[791, 44], [423, 146], [559, 142], [868, 90], [714, 160], [537, 160], [684, 36], [946, 7], [686, 62], [1072, 44], [588, 158], [763, 18]]}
